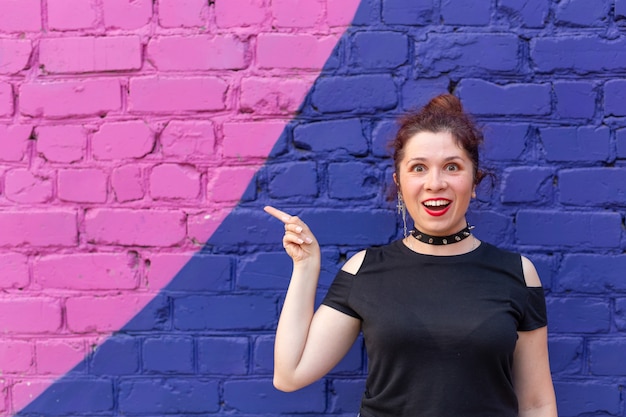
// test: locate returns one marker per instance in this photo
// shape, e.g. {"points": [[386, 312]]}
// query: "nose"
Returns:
{"points": [[435, 181]]}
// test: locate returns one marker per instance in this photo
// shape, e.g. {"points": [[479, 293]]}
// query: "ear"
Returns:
{"points": [[474, 191], [395, 180]]}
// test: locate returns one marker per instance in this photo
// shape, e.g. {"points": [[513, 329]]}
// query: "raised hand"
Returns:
{"points": [[298, 240]]}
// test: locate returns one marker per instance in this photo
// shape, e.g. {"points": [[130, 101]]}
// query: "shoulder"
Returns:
{"points": [[513, 259], [530, 273], [353, 264]]}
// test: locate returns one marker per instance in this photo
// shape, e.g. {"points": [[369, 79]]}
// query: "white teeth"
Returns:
{"points": [[436, 203]]}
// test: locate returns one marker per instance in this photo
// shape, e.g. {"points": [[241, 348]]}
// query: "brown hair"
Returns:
{"points": [[443, 113]]}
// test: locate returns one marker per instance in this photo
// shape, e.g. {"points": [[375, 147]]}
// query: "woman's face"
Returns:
{"points": [[436, 180]]}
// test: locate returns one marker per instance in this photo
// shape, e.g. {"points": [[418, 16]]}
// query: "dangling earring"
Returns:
{"points": [[402, 210]]}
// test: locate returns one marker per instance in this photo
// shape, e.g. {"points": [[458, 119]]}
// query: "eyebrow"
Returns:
{"points": [[447, 159]]}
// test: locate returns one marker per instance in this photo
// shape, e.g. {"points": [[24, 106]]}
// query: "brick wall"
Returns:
{"points": [[142, 138]]}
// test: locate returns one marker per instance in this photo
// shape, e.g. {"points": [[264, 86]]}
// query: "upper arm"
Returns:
{"points": [[530, 273]]}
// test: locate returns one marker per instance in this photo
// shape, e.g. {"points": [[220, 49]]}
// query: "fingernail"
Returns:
{"points": [[298, 229], [309, 240], [300, 241]]}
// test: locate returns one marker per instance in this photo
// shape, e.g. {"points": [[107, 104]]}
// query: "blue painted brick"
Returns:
{"points": [[492, 227], [379, 50], [223, 355], [566, 354], [575, 99], [168, 354], [382, 135], [528, 184], [119, 355], [350, 180], [401, 12], [504, 141], [465, 12], [345, 134], [578, 315], [592, 186], [416, 93], [568, 229], [204, 273], [259, 396], [253, 312], [368, 13], [587, 143], [243, 227], [368, 94], [484, 98], [156, 315], [620, 314], [360, 228], [582, 12], [88, 396], [168, 396], [586, 398], [266, 271], [531, 13], [263, 356], [346, 395], [592, 273], [447, 52], [615, 97], [620, 137], [282, 184], [606, 357], [578, 54], [620, 9]]}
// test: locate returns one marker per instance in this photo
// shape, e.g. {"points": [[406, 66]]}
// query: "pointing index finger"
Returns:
{"points": [[280, 215]]}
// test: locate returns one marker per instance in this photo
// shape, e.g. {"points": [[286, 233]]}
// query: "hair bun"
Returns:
{"points": [[444, 103]]}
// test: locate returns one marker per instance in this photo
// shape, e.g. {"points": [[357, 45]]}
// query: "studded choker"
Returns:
{"points": [[442, 240]]}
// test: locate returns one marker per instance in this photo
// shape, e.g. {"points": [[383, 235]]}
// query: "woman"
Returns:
{"points": [[452, 326]]}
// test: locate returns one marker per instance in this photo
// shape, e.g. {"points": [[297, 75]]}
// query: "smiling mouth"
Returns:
{"points": [[436, 205]]}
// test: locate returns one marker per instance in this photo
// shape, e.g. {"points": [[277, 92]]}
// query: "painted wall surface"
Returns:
{"points": [[140, 140]]}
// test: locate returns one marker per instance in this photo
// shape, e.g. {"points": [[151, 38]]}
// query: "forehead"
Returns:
{"points": [[431, 145]]}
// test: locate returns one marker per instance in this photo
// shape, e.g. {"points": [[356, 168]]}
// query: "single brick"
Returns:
{"points": [[99, 313], [71, 396], [168, 354], [24, 315], [577, 54], [124, 14], [465, 12], [579, 315], [188, 53], [6, 99], [606, 357], [87, 185], [377, 49], [592, 274], [620, 137], [14, 55], [56, 356], [174, 182], [587, 397], [273, 95], [359, 93], [484, 98], [505, 141], [327, 136], [582, 13], [127, 183], [16, 356], [252, 139], [20, 16], [195, 272], [614, 96], [61, 99], [134, 227], [566, 355], [89, 271], [531, 13], [241, 13], [352, 180], [168, 396], [416, 93], [14, 267], [188, 139], [528, 184], [223, 355], [306, 51], [265, 271], [176, 94], [297, 13], [90, 54], [15, 140], [122, 140], [587, 143], [71, 14], [575, 99], [183, 13], [24, 186], [64, 143], [570, 229], [259, 396], [118, 355], [400, 12], [251, 312], [592, 186], [49, 227], [229, 184], [281, 182]]}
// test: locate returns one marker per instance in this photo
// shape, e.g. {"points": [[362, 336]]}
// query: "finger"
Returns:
{"points": [[280, 215]]}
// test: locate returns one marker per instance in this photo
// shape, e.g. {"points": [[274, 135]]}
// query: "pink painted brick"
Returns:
{"points": [[90, 54], [56, 357], [127, 183], [305, 51], [102, 314], [20, 15], [183, 13], [87, 271], [241, 13], [47, 227], [71, 14], [229, 184], [177, 94], [14, 142], [126, 14], [67, 143], [174, 182], [297, 13], [16, 355], [14, 55], [6, 99], [185, 53], [24, 186], [251, 139], [30, 315], [87, 185], [122, 140], [164, 267], [70, 98], [341, 13], [24, 391], [188, 139], [201, 226], [280, 95], [135, 227], [13, 271]]}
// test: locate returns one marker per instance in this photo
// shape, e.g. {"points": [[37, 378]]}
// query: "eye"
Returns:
{"points": [[418, 168], [451, 167]]}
